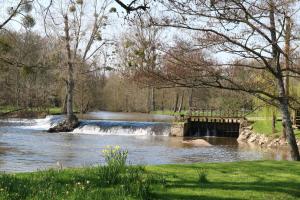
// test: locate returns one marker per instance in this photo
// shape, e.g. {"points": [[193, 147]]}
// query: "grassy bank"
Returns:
{"points": [[10, 111], [265, 127], [238, 180]]}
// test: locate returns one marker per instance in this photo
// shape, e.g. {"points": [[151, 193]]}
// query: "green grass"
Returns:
{"points": [[265, 127], [168, 112], [238, 180], [52, 110], [55, 111], [5, 109]]}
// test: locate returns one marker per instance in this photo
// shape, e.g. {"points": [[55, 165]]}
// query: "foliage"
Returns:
{"points": [[115, 159], [115, 156], [28, 21], [202, 176], [133, 180]]}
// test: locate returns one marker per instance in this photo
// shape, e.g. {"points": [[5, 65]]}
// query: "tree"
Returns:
{"points": [[250, 33], [133, 5], [18, 8], [69, 20], [140, 53]]}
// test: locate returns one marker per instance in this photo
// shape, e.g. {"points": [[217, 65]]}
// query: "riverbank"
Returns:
{"points": [[251, 136], [237, 180], [13, 112]]}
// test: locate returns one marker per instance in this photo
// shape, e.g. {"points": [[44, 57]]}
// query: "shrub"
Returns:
{"points": [[115, 159], [128, 180], [115, 156], [202, 176]]}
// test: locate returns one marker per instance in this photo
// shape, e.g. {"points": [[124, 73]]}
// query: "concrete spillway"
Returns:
{"points": [[215, 129]]}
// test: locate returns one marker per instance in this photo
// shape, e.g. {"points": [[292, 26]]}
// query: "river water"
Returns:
{"points": [[25, 146]]}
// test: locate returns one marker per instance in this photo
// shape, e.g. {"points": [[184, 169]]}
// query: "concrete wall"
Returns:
{"points": [[177, 129], [201, 129]]}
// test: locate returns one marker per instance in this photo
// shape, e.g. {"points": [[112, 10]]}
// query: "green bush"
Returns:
{"points": [[132, 180], [202, 176], [115, 159]]}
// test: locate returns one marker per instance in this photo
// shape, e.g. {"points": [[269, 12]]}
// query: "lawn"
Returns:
{"points": [[55, 111], [265, 127], [5, 109], [50, 110], [237, 180]]}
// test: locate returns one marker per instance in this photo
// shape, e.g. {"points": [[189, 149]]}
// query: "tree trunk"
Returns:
{"points": [[176, 102], [191, 99], [70, 84], [162, 101], [273, 122], [64, 108], [287, 62], [152, 99], [283, 98], [181, 102], [18, 90], [286, 119]]}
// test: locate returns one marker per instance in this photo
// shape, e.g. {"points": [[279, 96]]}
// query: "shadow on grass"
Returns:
{"points": [[287, 188], [189, 197]]}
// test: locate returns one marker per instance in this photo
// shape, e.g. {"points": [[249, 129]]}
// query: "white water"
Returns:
{"points": [[118, 130], [95, 127], [34, 124], [102, 127]]}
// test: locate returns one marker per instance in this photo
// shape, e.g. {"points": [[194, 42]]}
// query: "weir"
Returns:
{"points": [[211, 129], [209, 124]]}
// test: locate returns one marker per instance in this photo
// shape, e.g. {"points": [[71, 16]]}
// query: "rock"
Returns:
{"points": [[243, 123], [67, 125], [197, 142], [282, 142], [244, 135], [253, 138], [262, 140]]}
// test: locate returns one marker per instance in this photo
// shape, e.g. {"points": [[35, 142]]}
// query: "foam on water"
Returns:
{"points": [[122, 128], [96, 127], [34, 124], [48, 122]]}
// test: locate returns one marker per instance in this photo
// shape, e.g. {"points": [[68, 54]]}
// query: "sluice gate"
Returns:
{"points": [[211, 129], [211, 125]]}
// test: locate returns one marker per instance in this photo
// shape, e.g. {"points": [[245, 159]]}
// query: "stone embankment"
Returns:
{"points": [[247, 135], [177, 130]]}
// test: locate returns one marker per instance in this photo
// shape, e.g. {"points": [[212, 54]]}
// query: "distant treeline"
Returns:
{"points": [[32, 76]]}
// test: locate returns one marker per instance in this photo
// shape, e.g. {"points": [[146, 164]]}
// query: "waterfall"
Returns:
{"points": [[99, 127], [122, 128]]}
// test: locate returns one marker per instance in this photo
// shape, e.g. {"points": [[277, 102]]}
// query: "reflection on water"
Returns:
{"points": [[42, 150], [127, 116], [26, 149]]}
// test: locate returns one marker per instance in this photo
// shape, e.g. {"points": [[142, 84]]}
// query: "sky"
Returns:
{"points": [[115, 30], [116, 24]]}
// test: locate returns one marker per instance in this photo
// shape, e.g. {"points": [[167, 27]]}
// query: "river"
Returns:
{"points": [[25, 145]]}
